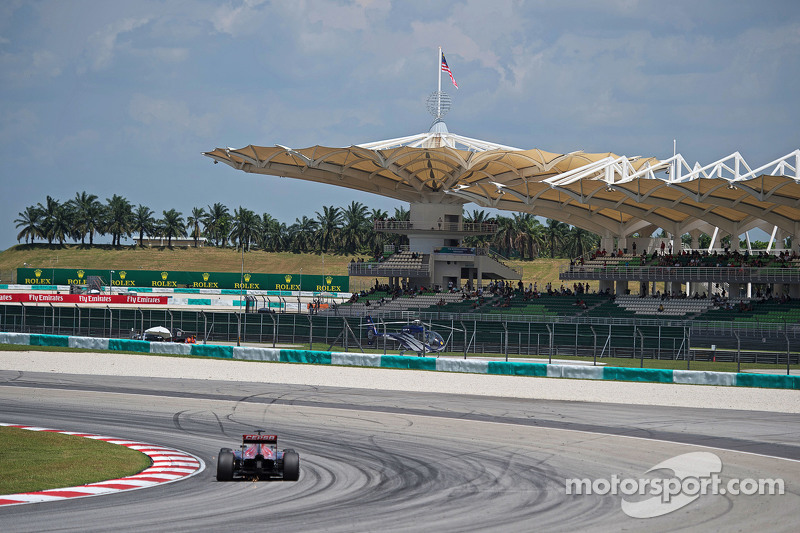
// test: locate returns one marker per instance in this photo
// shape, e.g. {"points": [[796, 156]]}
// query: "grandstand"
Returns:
{"points": [[650, 296]]}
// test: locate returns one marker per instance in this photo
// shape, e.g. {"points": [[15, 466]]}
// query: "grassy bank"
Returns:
{"points": [[35, 460], [215, 260]]}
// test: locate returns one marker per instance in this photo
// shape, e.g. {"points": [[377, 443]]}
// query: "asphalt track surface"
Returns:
{"points": [[376, 460]]}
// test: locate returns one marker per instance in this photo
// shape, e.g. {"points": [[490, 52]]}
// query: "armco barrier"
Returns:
{"points": [[245, 353], [697, 377], [23, 339], [410, 363], [355, 359], [637, 374], [503, 368], [129, 345], [208, 350], [474, 366], [88, 343], [170, 348], [305, 356], [60, 341], [768, 381], [575, 371]]}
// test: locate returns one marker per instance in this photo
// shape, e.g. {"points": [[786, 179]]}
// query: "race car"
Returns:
{"points": [[258, 458]]}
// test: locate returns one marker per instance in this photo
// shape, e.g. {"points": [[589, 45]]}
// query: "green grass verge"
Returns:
{"points": [[36, 460], [28, 348]]}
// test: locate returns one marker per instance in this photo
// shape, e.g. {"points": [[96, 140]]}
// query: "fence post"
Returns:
{"points": [[788, 355], [688, 336], [310, 332], [505, 339], [576, 339], [465, 337], [641, 348]]}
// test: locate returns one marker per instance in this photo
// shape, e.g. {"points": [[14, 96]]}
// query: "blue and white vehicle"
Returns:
{"points": [[416, 337]]}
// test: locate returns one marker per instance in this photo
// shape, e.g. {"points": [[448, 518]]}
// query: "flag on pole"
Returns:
{"points": [[445, 68]]}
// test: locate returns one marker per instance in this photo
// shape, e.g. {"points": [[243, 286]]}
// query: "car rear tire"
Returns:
{"points": [[225, 465], [291, 465]]}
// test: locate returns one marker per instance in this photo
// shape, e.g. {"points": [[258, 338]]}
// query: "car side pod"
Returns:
{"points": [[225, 464]]}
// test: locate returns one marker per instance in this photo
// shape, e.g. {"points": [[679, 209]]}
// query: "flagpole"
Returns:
{"points": [[439, 70], [439, 97]]}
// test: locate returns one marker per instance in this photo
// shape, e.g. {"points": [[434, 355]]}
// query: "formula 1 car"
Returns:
{"points": [[259, 458]]}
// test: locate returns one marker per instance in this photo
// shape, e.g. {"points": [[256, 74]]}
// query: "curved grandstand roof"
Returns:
{"points": [[603, 192]]}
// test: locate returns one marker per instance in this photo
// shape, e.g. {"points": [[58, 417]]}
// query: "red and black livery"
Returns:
{"points": [[258, 458]]}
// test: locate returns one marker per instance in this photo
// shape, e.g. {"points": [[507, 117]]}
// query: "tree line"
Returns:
{"points": [[344, 230]]}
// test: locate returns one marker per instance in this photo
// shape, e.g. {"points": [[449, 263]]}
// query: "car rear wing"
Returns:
{"points": [[259, 439]]}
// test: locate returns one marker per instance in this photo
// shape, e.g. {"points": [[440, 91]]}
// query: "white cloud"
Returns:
{"points": [[22, 67], [235, 20], [101, 45]]}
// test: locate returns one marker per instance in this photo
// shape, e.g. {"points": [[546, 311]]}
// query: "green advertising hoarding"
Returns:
{"points": [[178, 279]]}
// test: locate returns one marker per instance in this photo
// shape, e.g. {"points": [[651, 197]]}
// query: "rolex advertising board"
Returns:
{"points": [[178, 279]]}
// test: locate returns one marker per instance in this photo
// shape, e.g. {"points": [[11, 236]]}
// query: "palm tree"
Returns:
{"points": [[476, 217], [119, 217], [198, 216], [378, 214], [88, 213], [272, 235], [215, 220], [354, 227], [224, 228], [329, 222], [376, 239], [302, 234], [143, 222], [48, 214], [578, 241], [556, 232], [504, 238], [29, 222], [400, 213], [63, 225], [245, 226], [538, 239], [172, 225], [528, 235]]}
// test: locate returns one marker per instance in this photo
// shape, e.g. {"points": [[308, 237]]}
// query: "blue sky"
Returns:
{"points": [[114, 97]]}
